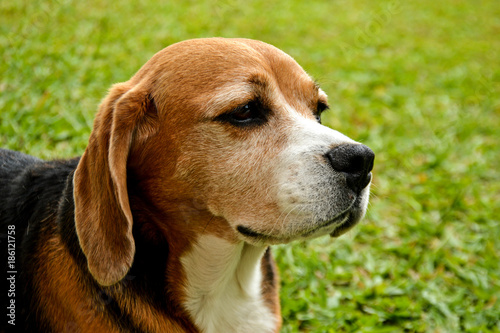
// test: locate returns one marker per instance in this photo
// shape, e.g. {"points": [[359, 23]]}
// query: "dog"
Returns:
{"points": [[213, 151]]}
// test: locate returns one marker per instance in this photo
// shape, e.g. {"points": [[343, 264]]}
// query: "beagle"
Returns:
{"points": [[210, 153]]}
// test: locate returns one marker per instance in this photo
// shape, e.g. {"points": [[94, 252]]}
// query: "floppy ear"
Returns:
{"points": [[103, 218]]}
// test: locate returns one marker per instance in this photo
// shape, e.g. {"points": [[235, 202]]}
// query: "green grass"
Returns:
{"points": [[416, 81]]}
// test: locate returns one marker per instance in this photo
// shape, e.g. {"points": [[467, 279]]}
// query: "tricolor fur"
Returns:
{"points": [[210, 153]]}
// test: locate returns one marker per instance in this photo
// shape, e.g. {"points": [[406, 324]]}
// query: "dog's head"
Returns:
{"points": [[230, 128]]}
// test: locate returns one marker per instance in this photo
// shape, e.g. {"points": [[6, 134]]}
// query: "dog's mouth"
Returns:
{"points": [[337, 222], [350, 221], [334, 227], [247, 232]]}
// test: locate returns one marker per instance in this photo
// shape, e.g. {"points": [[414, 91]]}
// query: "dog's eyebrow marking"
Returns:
{"points": [[228, 95], [258, 81], [234, 94]]}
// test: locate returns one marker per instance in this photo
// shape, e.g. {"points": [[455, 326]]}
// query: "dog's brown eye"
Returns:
{"points": [[244, 113], [250, 114]]}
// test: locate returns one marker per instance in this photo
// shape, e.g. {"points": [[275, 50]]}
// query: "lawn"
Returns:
{"points": [[416, 81]]}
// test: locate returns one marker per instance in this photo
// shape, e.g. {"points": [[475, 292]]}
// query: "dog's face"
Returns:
{"points": [[244, 119], [228, 130]]}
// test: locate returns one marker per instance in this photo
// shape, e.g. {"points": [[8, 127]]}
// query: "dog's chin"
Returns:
{"points": [[334, 227]]}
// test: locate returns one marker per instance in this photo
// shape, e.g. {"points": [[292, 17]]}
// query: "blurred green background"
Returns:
{"points": [[416, 81]]}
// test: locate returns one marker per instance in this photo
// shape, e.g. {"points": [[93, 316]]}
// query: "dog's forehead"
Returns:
{"points": [[294, 83], [200, 67]]}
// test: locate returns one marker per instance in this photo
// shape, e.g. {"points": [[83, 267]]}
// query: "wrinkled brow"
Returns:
{"points": [[258, 81], [234, 94]]}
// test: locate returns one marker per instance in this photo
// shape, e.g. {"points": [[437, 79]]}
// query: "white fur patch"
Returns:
{"points": [[223, 287], [309, 191]]}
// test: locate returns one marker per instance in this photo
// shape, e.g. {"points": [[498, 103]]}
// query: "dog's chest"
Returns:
{"points": [[223, 289]]}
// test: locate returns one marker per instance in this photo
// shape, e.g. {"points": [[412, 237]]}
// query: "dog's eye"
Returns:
{"points": [[322, 107], [246, 115]]}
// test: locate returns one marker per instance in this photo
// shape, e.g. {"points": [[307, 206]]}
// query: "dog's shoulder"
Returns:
{"points": [[31, 190], [29, 185]]}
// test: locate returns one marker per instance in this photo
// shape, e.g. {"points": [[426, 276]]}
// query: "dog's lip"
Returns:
{"points": [[257, 236], [340, 219], [246, 231], [338, 222], [344, 226], [335, 227]]}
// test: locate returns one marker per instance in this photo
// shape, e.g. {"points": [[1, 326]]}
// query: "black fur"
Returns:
{"points": [[37, 198], [30, 191]]}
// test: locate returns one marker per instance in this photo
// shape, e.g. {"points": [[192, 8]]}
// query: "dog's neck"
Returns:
{"points": [[224, 286]]}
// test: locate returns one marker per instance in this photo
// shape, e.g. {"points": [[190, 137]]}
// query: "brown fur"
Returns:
{"points": [[157, 163]]}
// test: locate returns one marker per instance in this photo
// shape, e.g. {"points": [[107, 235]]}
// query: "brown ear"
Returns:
{"points": [[103, 218]]}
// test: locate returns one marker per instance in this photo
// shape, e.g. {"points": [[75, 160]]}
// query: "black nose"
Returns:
{"points": [[356, 161]]}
